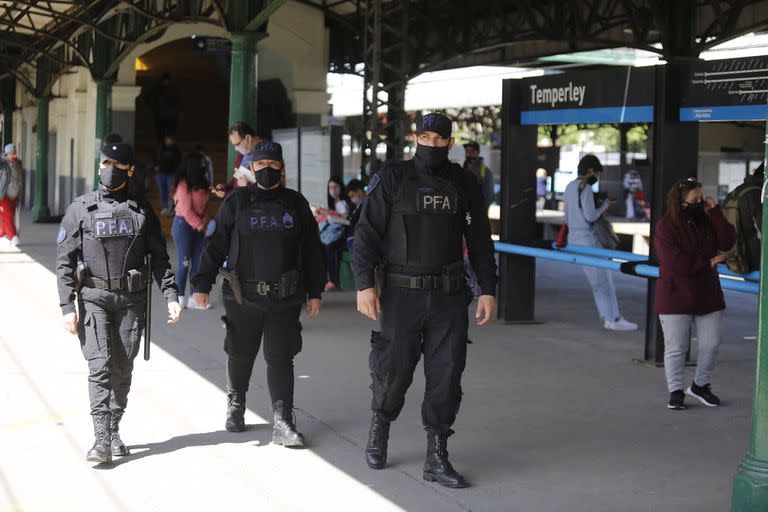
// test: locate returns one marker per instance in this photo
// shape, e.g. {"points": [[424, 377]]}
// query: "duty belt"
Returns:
{"points": [[449, 283], [261, 287], [286, 287], [115, 283]]}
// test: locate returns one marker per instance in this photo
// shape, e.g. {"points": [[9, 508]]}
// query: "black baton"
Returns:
{"points": [[148, 311]]}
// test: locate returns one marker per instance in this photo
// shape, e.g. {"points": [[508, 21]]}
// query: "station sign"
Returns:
{"points": [[616, 95], [726, 90]]}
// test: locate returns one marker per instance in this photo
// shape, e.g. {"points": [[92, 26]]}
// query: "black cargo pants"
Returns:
{"points": [[110, 329], [280, 329], [415, 322]]}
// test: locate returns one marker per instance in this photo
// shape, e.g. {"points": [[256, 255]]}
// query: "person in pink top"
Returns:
{"points": [[191, 196]]}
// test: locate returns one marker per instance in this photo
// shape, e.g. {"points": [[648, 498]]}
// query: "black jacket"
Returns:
{"points": [[216, 247], [69, 247], [372, 226]]}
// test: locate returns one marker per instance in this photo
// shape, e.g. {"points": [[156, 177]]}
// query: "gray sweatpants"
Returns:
{"points": [[677, 336]]}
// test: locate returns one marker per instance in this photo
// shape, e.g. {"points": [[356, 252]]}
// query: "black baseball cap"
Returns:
{"points": [[267, 150], [434, 122], [589, 162], [472, 144], [120, 152]]}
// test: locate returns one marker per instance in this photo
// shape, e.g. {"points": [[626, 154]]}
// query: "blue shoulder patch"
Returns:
{"points": [[211, 229], [375, 180], [61, 236]]}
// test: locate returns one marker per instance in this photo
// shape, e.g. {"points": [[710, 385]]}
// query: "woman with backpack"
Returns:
{"points": [[11, 189], [689, 242]]}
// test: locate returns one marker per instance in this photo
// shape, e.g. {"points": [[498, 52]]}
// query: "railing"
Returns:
{"points": [[628, 263]]}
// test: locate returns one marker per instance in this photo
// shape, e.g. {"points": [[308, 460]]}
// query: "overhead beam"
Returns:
{"points": [[263, 16]]}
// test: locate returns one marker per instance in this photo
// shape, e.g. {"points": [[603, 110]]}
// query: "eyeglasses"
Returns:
{"points": [[689, 183]]}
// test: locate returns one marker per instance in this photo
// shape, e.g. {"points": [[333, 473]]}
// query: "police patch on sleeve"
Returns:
{"points": [[211, 228], [375, 180], [61, 235]]}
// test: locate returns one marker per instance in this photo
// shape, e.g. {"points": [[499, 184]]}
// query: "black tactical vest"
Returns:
{"points": [[266, 241], [113, 237], [425, 229]]}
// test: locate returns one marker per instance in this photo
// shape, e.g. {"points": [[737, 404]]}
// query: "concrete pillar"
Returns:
{"points": [[40, 210]]}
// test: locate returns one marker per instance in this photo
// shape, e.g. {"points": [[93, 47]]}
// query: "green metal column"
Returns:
{"points": [[750, 484], [40, 210], [243, 81], [103, 118]]}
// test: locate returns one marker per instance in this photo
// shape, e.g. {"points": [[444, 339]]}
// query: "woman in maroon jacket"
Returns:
{"points": [[689, 242]]}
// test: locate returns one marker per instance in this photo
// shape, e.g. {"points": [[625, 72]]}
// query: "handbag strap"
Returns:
{"points": [[582, 186]]}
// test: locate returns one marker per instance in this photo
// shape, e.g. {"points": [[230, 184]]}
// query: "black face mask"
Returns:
{"points": [[268, 177], [432, 156], [112, 178], [695, 210], [592, 180]]}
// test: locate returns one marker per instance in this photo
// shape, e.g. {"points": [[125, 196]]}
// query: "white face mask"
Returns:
{"points": [[241, 147]]}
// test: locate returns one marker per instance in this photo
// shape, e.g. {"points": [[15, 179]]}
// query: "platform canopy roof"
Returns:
{"points": [[51, 36], [444, 34]]}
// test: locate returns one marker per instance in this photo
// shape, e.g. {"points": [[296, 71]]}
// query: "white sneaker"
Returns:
{"points": [[15, 241], [5, 243], [191, 304], [621, 324]]}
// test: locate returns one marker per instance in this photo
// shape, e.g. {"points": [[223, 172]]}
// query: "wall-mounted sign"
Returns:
{"points": [[726, 90], [212, 45], [623, 95]]}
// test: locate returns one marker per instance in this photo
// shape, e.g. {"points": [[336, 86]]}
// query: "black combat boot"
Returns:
{"points": [[378, 437], [437, 467], [116, 446], [283, 427], [100, 451], [235, 412]]}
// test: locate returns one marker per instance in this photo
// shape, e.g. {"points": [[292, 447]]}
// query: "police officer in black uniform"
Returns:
{"points": [[274, 264], [102, 244], [408, 244]]}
